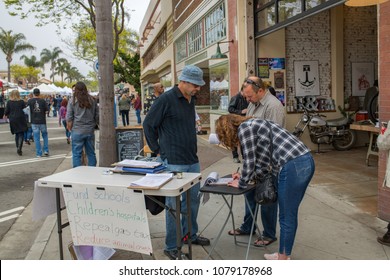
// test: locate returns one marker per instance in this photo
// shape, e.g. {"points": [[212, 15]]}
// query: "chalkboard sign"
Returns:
{"points": [[130, 141]]}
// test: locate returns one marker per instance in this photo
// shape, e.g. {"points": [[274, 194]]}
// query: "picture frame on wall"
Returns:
{"points": [[306, 77], [277, 63], [279, 80], [363, 77], [263, 68]]}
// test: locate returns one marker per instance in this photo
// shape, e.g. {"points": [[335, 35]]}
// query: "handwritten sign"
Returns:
{"points": [[114, 218], [129, 141]]}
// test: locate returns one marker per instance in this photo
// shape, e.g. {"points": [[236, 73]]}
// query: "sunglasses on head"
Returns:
{"points": [[249, 81]]}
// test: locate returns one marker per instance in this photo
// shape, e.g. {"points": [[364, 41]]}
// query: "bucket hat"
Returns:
{"points": [[192, 74]]}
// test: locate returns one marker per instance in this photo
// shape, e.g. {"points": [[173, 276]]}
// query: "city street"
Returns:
{"points": [[18, 173]]}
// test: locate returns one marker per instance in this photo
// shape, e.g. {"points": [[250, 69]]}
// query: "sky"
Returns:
{"points": [[46, 36]]}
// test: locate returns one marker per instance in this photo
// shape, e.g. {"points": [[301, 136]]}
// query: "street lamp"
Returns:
{"points": [[219, 54]]}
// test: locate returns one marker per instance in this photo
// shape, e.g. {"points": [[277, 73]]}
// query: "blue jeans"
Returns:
{"points": [[37, 130], [294, 178], [79, 141], [138, 114], [27, 134], [67, 132], [269, 216], [170, 221], [125, 117]]}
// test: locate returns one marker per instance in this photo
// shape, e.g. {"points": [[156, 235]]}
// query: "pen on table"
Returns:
{"points": [[238, 169]]}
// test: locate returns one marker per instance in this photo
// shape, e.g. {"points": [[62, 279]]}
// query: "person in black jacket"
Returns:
{"points": [[237, 105], [17, 120]]}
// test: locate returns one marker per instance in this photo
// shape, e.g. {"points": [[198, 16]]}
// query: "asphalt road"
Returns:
{"points": [[18, 173]]}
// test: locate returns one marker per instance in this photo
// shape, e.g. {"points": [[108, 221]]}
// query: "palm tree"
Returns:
{"points": [[10, 44], [31, 61], [73, 74], [62, 66], [51, 56]]}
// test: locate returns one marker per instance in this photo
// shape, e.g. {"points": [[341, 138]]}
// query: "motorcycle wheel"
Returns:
{"points": [[373, 108], [346, 142]]}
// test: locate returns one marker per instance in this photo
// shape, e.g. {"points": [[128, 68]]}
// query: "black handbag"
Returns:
{"points": [[265, 190]]}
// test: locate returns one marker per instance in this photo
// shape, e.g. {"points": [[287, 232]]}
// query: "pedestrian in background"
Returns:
{"points": [[62, 118], [137, 107], [170, 132], [158, 90], [292, 161], [38, 111], [28, 135], [124, 108], [17, 121], [238, 105], [82, 116]]}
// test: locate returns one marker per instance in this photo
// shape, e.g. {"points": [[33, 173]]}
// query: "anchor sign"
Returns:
{"points": [[306, 83]]}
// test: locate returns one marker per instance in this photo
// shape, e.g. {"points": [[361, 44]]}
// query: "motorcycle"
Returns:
{"points": [[335, 132]]}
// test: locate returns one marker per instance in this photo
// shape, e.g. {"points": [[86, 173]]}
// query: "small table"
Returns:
{"points": [[373, 130], [226, 191]]}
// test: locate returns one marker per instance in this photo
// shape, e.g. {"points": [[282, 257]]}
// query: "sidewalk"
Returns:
{"points": [[331, 227], [337, 218]]}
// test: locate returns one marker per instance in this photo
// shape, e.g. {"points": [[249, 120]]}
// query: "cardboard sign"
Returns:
{"points": [[114, 218]]}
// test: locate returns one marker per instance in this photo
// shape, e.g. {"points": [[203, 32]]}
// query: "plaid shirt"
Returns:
{"points": [[255, 142]]}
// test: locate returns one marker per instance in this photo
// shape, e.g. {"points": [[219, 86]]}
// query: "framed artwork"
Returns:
{"points": [[306, 77], [362, 77], [276, 63], [263, 68], [279, 80]]}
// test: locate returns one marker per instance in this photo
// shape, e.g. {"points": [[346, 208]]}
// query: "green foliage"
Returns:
{"points": [[25, 72], [12, 43], [84, 43], [128, 69]]}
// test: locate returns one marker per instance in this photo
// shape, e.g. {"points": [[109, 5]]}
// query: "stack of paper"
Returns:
{"points": [[138, 166], [151, 181]]}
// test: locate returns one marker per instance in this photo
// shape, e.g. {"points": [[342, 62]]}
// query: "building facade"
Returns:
{"points": [[315, 53]]}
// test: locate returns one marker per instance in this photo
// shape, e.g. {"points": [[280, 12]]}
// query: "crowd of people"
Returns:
{"points": [[27, 118]]}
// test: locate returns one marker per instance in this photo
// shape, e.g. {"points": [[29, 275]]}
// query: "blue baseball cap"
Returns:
{"points": [[192, 74]]}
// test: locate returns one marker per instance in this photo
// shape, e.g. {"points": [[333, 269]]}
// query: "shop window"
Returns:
{"points": [[181, 48], [166, 81], [195, 38], [219, 86], [289, 8], [215, 25]]}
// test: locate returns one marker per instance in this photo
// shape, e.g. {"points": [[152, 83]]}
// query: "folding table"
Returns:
{"points": [[100, 177], [225, 191]]}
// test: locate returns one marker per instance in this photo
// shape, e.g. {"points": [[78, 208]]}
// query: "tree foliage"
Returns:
{"points": [[65, 11], [128, 68], [84, 44], [25, 72], [12, 43]]}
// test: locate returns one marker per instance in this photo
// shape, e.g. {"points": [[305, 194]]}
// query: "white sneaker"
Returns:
{"points": [[273, 257]]}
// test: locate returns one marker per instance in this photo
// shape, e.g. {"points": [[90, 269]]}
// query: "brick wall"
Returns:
{"points": [[384, 103], [360, 40], [309, 39]]}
